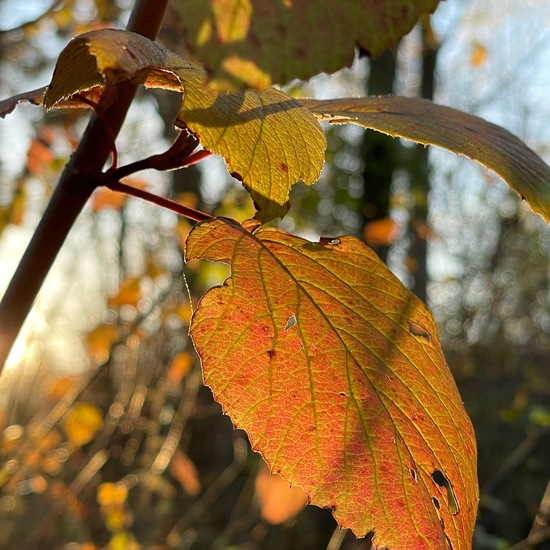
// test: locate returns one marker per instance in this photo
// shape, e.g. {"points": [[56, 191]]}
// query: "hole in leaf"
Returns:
{"points": [[328, 240], [413, 473], [417, 330], [342, 394], [436, 503], [442, 481], [291, 322]]}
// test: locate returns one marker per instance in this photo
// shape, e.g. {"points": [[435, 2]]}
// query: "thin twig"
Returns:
{"points": [[532, 540], [169, 204], [514, 460]]}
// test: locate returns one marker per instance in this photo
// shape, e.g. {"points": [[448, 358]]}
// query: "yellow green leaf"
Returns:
{"points": [[257, 43], [336, 372], [267, 139], [425, 122]]}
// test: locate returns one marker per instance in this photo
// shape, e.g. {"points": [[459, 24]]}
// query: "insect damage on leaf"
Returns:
{"points": [[335, 371]]}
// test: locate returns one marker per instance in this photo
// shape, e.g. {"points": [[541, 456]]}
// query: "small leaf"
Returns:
{"points": [[81, 423], [179, 367], [257, 43], [112, 494], [100, 340], [33, 97], [278, 501], [268, 140], [129, 293], [425, 122], [309, 348], [183, 469], [381, 232]]}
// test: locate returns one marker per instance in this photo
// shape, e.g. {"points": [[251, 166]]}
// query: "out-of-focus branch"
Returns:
{"points": [[71, 193]]}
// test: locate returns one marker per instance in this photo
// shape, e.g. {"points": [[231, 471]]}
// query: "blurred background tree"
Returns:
{"points": [[109, 440]]}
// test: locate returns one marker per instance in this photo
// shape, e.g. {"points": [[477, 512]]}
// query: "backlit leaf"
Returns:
{"points": [[268, 140], [257, 43], [336, 372], [425, 122]]}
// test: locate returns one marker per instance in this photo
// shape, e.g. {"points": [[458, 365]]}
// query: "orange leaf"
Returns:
{"points": [[179, 367], [185, 472], [128, 294], [478, 55], [381, 232], [105, 198], [100, 341], [336, 372], [39, 155], [112, 494], [278, 501]]}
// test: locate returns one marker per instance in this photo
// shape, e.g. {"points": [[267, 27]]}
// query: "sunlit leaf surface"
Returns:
{"points": [[268, 140], [257, 43], [335, 371], [425, 122]]}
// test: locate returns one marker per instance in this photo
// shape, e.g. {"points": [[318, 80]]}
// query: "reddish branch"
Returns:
{"points": [[182, 210]]}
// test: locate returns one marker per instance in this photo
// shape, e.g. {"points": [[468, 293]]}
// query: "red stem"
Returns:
{"points": [[187, 211]]}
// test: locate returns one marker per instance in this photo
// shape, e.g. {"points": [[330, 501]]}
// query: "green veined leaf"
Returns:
{"points": [[268, 140]]}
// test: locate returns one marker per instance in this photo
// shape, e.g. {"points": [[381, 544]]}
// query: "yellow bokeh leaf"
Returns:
{"points": [[478, 55], [81, 423], [129, 293], [100, 341], [112, 494]]}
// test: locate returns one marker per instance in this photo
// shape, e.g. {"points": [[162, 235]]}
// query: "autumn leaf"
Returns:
{"points": [[425, 122], [254, 43], [267, 139], [381, 232], [278, 501], [183, 469], [336, 372], [81, 423], [34, 97]]}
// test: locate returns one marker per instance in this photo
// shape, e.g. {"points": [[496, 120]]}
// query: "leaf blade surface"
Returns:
{"points": [[257, 43], [425, 122], [335, 371], [267, 139]]}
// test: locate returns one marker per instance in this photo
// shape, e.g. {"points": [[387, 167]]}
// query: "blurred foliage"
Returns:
{"points": [[128, 449]]}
